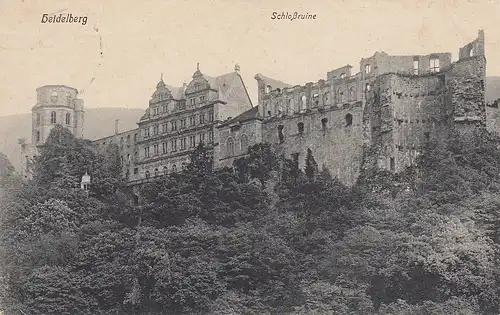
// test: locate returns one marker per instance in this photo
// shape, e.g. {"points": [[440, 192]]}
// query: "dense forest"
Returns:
{"points": [[261, 237]]}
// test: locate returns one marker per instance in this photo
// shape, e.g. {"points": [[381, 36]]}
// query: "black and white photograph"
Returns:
{"points": [[250, 157]]}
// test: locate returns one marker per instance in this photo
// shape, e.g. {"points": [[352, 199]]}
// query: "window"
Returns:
{"points": [[156, 172], [230, 147], [192, 141], [348, 120], [53, 119], [368, 87], [392, 164], [304, 102], [136, 171], [173, 125], [155, 130], [191, 121], [155, 149], [183, 144], [324, 123], [128, 158], [211, 115], [281, 137], [352, 94], [183, 123], [191, 102], [174, 168], [202, 137], [164, 147], [146, 152], [173, 145], [244, 143], [202, 99], [164, 128], [38, 119], [210, 136], [54, 97], [37, 136], [136, 157], [326, 99], [135, 137], [155, 111], [202, 118], [340, 96], [146, 132], [368, 68], [268, 89], [300, 127], [165, 170], [415, 66], [163, 108], [434, 65], [147, 174], [128, 139], [342, 76]]}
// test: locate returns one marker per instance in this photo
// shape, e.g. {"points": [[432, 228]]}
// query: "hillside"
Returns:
{"points": [[99, 122]]}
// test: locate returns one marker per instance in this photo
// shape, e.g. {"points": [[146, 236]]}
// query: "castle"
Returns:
{"points": [[380, 116]]}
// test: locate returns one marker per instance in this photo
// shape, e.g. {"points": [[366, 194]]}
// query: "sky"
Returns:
{"points": [[117, 58]]}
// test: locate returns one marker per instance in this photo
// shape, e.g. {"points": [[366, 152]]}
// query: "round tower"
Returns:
{"points": [[56, 105]]}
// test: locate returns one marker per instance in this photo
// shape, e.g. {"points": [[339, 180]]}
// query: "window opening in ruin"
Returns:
{"points": [[300, 127], [174, 168], [304, 100], [324, 122], [269, 113], [244, 143], [368, 87], [230, 147], [392, 164], [165, 170], [268, 89], [434, 65], [348, 120], [415, 67], [147, 174], [136, 171], [156, 172], [342, 75], [281, 137], [368, 68]]}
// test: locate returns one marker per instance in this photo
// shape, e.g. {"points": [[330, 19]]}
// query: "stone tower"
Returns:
{"points": [[56, 105]]}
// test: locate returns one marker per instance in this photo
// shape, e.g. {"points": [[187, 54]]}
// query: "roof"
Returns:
{"points": [[252, 113], [57, 86], [272, 82]]}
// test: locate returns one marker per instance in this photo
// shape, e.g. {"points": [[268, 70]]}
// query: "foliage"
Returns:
{"points": [[261, 237]]}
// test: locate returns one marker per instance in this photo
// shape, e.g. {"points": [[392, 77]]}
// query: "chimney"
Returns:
{"points": [[116, 126]]}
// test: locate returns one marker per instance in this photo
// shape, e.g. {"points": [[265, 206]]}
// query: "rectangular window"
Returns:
{"points": [[164, 147], [202, 118], [135, 137], [146, 133], [415, 67], [191, 102], [155, 111], [210, 136], [211, 116], [192, 142], [155, 130], [202, 99], [173, 125], [202, 137], [146, 152], [183, 144], [183, 123], [136, 171], [191, 121], [173, 145], [164, 128], [155, 149], [434, 65]]}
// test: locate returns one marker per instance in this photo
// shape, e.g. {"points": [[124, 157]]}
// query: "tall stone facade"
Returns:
{"points": [[56, 105], [380, 116]]}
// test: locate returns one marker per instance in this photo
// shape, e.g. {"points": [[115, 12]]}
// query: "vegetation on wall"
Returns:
{"points": [[262, 237]]}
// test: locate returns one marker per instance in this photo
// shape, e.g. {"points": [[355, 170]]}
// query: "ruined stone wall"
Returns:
{"points": [[334, 135], [242, 135], [493, 119]]}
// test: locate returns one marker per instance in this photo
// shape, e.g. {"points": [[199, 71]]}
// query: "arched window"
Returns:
{"points": [[148, 174], [68, 119], [38, 119], [304, 102], [368, 68], [326, 99], [165, 170], [230, 147], [300, 128], [244, 143], [352, 94], [348, 120], [324, 123], [174, 168], [340, 96], [53, 116], [156, 172]]}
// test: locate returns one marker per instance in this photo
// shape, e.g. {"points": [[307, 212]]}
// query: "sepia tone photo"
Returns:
{"points": [[249, 157]]}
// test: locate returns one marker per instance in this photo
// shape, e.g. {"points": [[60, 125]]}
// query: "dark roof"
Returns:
{"points": [[252, 113]]}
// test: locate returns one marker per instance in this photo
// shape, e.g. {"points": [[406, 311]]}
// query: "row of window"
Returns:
{"points": [[202, 118], [180, 104], [178, 144], [53, 118], [300, 127]]}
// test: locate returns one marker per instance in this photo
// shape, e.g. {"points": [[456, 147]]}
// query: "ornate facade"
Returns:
{"points": [[380, 116]]}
